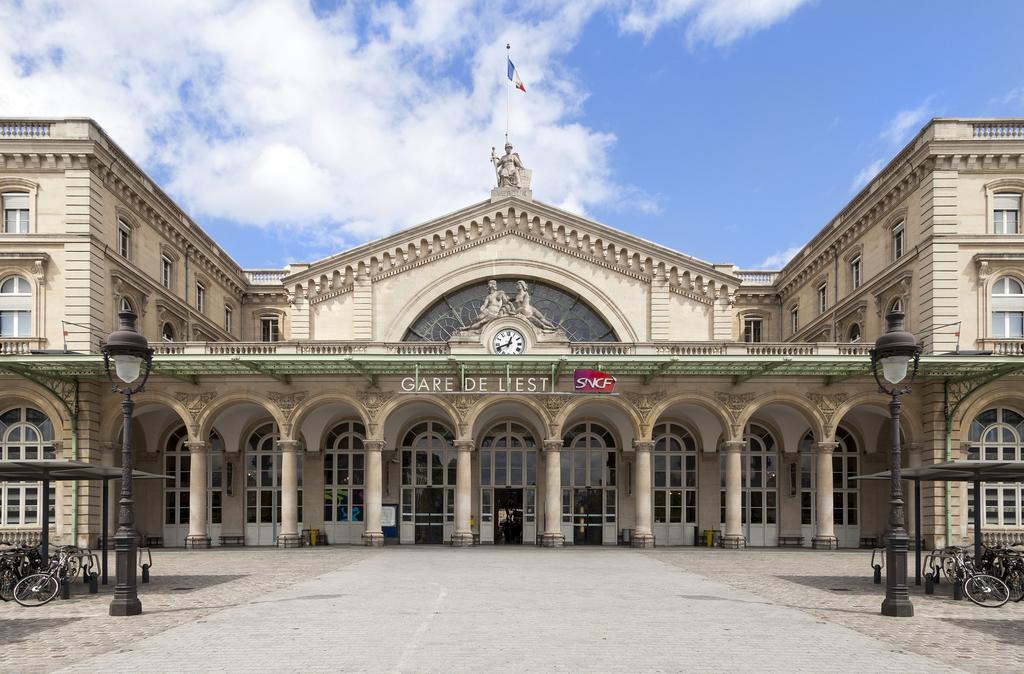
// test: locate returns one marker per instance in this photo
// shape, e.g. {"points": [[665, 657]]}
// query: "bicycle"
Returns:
{"points": [[983, 589], [40, 588], [15, 564]]}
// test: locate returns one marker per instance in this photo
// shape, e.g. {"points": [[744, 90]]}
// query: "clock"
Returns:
{"points": [[508, 342]]}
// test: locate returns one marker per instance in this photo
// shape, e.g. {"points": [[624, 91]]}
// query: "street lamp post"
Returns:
{"points": [[132, 356], [894, 351]]}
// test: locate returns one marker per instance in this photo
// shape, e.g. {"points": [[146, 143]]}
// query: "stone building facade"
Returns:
{"points": [[511, 372]]}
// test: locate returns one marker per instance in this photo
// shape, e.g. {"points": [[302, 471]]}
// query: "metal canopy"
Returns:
{"points": [[975, 471], [58, 470], [648, 366]]}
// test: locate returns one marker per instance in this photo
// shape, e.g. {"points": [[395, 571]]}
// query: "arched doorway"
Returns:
{"points": [[996, 435], [177, 467], [589, 499], [263, 486], [508, 484], [760, 478], [428, 483], [674, 484], [25, 434], [344, 476], [845, 490]]}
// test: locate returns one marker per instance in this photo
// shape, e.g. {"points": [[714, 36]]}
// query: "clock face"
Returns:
{"points": [[508, 342]]}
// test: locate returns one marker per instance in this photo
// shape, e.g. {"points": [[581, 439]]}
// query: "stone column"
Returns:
{"points": [[198, 526], [288, 533], [643, 537], [462, 537], [373, 493], [552, 537], [824, 526], [734, 537]]}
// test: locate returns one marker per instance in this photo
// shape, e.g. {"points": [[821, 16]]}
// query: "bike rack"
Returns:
{"points": [[877, 565], [145, 566]]}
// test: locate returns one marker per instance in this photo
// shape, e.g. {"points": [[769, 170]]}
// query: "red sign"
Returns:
{"points": [[592, 381]]}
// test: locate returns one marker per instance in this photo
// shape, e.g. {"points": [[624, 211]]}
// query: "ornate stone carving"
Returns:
{"points": [[554, 404], [644, 403], [735, 402], [195, 403], [463, 402], [287, 402], [374, 400], [498, 304], [827, 404]]}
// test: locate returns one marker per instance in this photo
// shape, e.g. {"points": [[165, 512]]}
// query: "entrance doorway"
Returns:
{"points": [[430, 515], [508, 520], [587, 516], [428, 483]]}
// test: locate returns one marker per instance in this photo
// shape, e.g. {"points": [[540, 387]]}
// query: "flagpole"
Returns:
{"points": [[508, 86]]}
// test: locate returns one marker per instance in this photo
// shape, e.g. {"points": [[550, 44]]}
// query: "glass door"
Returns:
{"points": [[845, 492], [760, 497], [674, 477], [344, 471], [263, 487], [588, 485], [429, 461], [508, 485]]}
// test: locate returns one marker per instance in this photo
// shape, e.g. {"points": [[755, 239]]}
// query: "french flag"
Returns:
{"points": [[513, 75]]}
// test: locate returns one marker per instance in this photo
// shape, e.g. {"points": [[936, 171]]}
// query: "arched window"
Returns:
{"points": [[344, 473], [1007, 308], [429, 463], [125, 304], [896, 305], [760, 477], [995, 435], [845, 495], [263, 483], [178, 469], [854, 334], [15, 307], [588, 481], [25, 434], [674, 475], [508, 484], [167, 332], [460, 308]]}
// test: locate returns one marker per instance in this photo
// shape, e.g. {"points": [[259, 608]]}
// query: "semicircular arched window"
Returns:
{"points": [[458, 309]]}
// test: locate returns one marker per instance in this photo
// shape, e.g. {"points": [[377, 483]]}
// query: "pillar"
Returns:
{"points": [[463, 535], [734, 537], [374, 534], [824, 524], [552, 537], [288, 533], [643, 537], [198, 525]]}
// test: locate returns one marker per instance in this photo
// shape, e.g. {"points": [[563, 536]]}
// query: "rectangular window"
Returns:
{"points": [[1006, 214], [15, 323], [898, 241], [822, 298], [200, 297], [15, 212], [124, 240], [855, 273], [1008, 324], [794, 320], [228, 320], [269, 329], [752, 330], [166, 271]]}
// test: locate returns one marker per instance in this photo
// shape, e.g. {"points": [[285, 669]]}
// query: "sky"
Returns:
{"points": [[731, 130]]}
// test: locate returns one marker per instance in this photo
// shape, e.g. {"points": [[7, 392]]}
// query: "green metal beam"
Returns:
{"points": [[764, 369], [369, 377], [659, 370], [264, 370]]}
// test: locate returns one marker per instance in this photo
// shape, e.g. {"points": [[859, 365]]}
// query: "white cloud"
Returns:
{"points": [[333, 128], [866, 174], [780, 259], [899, 127], [718, 22]]}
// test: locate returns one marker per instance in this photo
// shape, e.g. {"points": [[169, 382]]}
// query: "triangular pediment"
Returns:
{"points": [[533, 221]]}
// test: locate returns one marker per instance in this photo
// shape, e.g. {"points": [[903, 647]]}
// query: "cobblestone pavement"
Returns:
{"points": [[482, 609], [837, 587]]}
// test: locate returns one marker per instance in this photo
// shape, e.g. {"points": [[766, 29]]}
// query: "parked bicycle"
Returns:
{"points": [[40, 588], [16, 562], [1007, 564], [984, 589]]}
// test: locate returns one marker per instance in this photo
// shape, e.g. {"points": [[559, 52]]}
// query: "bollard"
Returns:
{"points": [[65, 589], [145, 573], [94, 585], [929, 584], [878, 574], [958, 591]]}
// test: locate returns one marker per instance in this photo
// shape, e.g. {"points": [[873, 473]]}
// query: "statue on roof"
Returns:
{"points": [[508, 167]]}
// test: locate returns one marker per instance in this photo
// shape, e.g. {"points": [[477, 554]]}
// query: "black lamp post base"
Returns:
{"points": [[125, 606], [898, 607]]}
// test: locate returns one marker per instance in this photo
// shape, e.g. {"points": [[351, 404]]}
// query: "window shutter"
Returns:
{"points": [[1007, 202], [16, 200]]}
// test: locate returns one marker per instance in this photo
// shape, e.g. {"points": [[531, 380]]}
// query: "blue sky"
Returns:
{"points": [[731, 130]]}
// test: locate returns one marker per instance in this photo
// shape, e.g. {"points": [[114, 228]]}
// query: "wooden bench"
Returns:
{"points": [[232, 539], [791, 541], [154, 541], [869, 541]]}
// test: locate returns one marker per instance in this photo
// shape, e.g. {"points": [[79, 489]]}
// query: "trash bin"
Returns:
{"points": [[314, 534], [709, 538]]}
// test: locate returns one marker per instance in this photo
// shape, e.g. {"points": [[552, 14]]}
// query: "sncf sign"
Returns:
{"points": [[592, 381]]}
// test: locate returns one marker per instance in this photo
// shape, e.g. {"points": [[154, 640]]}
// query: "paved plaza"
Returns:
{"points": [[511, 609]]}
